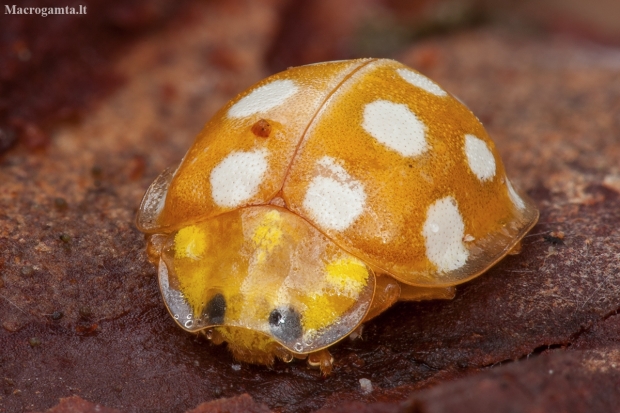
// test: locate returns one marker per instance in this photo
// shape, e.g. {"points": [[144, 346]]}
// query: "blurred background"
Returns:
{"points": [[52, 69]]}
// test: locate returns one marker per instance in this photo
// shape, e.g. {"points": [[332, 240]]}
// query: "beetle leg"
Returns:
{"points": [[282, 353], [215, 336], [357, 333], [154, 245], [323, 360]]}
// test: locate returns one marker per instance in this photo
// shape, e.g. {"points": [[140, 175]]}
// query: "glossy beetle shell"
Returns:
{"points": [[308, 191]]}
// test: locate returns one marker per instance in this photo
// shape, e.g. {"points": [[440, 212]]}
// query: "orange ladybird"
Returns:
{"points": [[319, 197]]}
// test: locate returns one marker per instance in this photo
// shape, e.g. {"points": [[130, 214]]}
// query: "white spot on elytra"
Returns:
{"points": [[238, 177], [334, 199], [443, 233], [514, 197], [263, 98], [479, 157], [395, 126], [422, 82]]}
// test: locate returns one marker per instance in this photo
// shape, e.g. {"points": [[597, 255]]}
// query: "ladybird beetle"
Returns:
{"points": [[316, 199]]}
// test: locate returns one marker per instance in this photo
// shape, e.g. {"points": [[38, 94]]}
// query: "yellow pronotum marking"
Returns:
{"points": [[345, 279], [190, 247], [348, 275], [190, 242]]}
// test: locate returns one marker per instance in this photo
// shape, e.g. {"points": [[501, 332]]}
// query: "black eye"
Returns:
{"points": [[215, 309], [285, 324]]}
